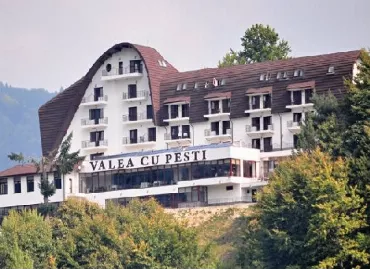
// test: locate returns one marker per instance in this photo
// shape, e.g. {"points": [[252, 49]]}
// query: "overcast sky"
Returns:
{"points": [[49, 44]]}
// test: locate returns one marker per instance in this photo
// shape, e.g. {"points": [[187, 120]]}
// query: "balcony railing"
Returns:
{"points": [[94, 144], [135, 117], [291, 124], [88, 122], [250, 128], [138, 94], [176, 137], [137, 140], [92, 99], [123, 70], [209, 132]]}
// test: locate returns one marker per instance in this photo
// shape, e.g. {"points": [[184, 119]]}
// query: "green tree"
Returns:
{"points": [[307, 217], [17, 157], [260, 43], [25, 239]]}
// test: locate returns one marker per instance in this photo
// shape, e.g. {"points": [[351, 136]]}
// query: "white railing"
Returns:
{"points": [[138, 94], [138, 68], [140, 139], [88, 122], [293, 123], [94, 144], [137, 117], [92, 98]]}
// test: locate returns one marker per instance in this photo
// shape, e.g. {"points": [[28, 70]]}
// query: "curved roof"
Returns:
{"points": [[56, 115]]}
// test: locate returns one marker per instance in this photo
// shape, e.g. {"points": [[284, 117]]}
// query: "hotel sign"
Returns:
{"points": [[147, 160]]}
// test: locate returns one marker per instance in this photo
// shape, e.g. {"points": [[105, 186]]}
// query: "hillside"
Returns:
{"points": [[19, 123]]}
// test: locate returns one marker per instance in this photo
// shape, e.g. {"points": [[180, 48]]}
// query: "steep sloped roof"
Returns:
{"points": [[56, 115], [19, 170]]}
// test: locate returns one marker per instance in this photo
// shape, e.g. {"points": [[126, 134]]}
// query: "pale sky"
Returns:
{"points": [[49, 44]]}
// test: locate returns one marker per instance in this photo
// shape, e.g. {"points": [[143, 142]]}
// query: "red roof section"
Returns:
{"points": [[177, 99], [218, 95], [19, 170], [259, 90], [302, 85]]}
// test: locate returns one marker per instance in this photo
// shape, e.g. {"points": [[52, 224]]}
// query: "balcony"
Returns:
{"points": [[256, 131], [213, 136], [294, 126], [177, 140], [258, 109], [141, 141], [137, 96], [214, 113], [136, 118], [93, 124], [94, 100], [96, 146], [122, 73], [299, 105], [177, 119]]}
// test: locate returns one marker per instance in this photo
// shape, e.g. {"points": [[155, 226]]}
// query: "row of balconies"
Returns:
{"points": [[93, 100]]}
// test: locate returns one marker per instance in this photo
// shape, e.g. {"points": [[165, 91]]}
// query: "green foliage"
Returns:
{"points": [[25, 239], [260, 43], [307, 217], [17, 157]]}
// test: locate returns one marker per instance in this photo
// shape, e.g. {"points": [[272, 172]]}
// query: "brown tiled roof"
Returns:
{"points": [[302, 85], [259, 90], [177, 99], [56, 115], [218, 95], [239, 78], [19, 170]]}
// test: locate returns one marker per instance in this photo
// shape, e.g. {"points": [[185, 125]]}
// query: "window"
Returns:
{"points": [[226, 105], [256, 143], [152, 134], [179, 87], [308, 96], [215, 107], [184, 86], [206, 85], [58, 179], [97, 137], [229, 188], [223, 82], [174, 132], [297, 97], [164, 64], [185, 131], [248, 169], [95, 155], [3, 186], [174, 111], [95, 114], [256, 123], [132, 91], [133, 136], [30, 184], [149, 112], [297, 117], [160, 63], [262, 77], [226, 127], [132, 113], [331, 69], [298, 73], [256, 102], [136, 66], [266, 101], [216, 82], [17, 185], [98, 92], [295, 141], [267, 124], [215, 128], [285, 75], [268, 76], [196, 85], [267, 144], [279, 75], [185, 110]]}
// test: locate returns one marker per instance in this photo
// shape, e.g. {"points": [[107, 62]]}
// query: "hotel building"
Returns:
{"points": [[194, 138]]}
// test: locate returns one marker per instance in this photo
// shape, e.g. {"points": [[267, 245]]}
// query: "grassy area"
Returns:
{"points": [[218, 226]]}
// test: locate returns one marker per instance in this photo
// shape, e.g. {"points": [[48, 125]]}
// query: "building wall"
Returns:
{"points": [[27, 198]]}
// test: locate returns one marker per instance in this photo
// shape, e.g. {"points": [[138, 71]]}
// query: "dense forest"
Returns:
{"points": [[19, 121]]}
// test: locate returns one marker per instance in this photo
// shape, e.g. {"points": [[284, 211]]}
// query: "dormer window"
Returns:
{"points": [[179, 87], [268, 76], [298, 73], [262, 77], [279, 75], [160, 63], [184, 86], [331, 69], [215, 82], [285, 75], [223, 82], [206, 85], [196, 85], [164, 64]]}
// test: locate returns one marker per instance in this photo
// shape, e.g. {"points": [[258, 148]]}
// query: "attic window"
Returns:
{"points": [[285, 75], [206, 85], [223, 81], [215, 82], [196, 85], [179, 86], [279, 75], [331, 69], [298, 73], [262, 77], [164, 63], [184, 86], [268, 76], [160, 63]]}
